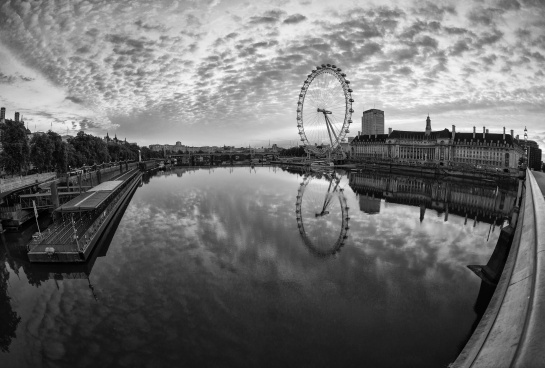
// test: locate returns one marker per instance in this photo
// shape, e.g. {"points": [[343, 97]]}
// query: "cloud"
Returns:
{"points": [[267, 18], [459, 48], [204, 74], [74, 99], [484, 16], [294, 19], [7, 79]]}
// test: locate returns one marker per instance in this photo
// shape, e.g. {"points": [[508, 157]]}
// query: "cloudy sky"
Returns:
{"points": [[229, 72]]}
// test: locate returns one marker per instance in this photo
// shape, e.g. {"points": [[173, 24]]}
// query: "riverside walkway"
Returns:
{"points": [[13, 184], [511, 333]]}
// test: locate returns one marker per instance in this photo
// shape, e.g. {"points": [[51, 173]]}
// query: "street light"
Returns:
{"points": [[525, 147]]}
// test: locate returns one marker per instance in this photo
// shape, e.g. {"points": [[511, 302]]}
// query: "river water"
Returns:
{"points": [[241, 267]]}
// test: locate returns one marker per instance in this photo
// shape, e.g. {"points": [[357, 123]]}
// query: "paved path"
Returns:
{"points": [[540, 179]]}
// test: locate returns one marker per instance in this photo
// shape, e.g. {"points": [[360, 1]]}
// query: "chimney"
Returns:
{"points": [[512, 134], [2, 115], [487, 131], [389, 131], [453, 131], [517, 138], [504, 133], [473, 132], [484, 132], [17, 117]]}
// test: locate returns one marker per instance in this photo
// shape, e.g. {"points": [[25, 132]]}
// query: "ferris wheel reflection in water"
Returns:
{"points": [[322, 213]]}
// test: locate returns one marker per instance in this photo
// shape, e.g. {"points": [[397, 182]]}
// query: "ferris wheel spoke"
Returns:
{"points": [[339, 126]]}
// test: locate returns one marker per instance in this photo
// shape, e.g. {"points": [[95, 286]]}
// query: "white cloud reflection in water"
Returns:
{"points": [[210, 267]]}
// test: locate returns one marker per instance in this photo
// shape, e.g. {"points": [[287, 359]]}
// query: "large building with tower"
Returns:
{"points": [[443, 147], [372, 122]]}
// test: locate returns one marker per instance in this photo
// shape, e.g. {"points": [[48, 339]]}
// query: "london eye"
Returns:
{"points": [[322, 213], [324, 110]]}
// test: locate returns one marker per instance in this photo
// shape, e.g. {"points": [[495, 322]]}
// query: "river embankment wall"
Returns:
{"points": [[511, 332]]}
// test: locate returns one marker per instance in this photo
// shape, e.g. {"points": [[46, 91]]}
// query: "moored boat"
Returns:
{"points": [[80, 223]]}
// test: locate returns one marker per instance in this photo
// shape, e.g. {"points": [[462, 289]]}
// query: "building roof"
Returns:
{"points": [[370, 138], [85, 202], [91, 199], [107, 185], [374, 110], [407, 134], [440, 134], [489, 137]]}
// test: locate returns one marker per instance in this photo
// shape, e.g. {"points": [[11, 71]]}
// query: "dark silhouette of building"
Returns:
{"points": [[534, 156]]}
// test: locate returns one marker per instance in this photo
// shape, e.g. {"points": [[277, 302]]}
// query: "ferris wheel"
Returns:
{"points": [[324, 110], [322, 213]]}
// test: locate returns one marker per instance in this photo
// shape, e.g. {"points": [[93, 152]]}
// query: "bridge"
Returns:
{"points": [[511, 332]]}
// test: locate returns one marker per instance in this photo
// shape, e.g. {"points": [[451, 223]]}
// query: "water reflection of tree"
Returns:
{"points": [[10, 319]]}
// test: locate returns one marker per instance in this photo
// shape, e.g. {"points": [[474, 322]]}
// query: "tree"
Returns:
{"points": [[294, 151], [60, 157], [89, 149], [10, 319], [41, 152], [15, 154]]}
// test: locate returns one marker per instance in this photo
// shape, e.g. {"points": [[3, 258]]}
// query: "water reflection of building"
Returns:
{"points": [[487, 202], [369, 204]]}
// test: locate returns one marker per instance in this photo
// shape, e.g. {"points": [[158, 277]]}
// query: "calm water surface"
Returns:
{"points": [[248, 268]]}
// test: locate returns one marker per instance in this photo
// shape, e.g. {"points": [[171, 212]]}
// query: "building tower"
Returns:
{"points": [[2, 115], [428, 125], [16, 117], [372, 122]]}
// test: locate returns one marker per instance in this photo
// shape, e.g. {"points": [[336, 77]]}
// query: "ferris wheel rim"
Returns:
{"points": [[348, 110]]}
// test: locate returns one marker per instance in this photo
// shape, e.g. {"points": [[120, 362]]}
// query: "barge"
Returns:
{"points": [[82, 221]]}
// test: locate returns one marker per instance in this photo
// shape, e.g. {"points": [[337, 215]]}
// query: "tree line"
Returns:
{"points": [[47, 152]]}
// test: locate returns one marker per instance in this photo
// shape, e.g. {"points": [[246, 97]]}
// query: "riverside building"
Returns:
{"points": [[443, 147], [372, 122]]}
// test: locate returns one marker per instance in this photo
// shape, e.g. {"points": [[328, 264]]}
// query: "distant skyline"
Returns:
{"points": [[229, 72]]}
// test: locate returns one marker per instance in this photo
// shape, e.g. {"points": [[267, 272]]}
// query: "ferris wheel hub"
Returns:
{"points": [[324, 111]]}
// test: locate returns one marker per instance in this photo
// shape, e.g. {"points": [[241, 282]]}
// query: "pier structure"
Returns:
{"points": [[80, 223], [511, 332]]}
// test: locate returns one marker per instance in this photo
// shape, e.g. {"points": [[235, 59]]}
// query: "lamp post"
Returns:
{"points": [[525, 162]]}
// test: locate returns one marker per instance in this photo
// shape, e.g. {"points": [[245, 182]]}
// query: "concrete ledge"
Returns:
{"points": [[512, 330]]}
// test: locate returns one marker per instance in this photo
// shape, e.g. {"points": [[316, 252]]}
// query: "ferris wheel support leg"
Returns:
{"points": [[328, 131], [330, 126]]}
